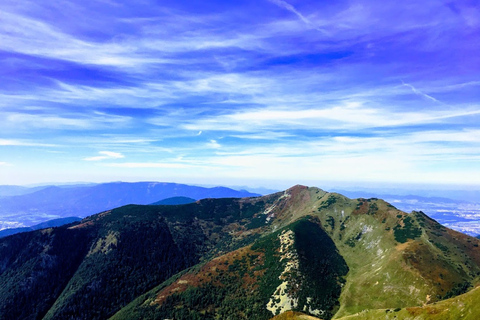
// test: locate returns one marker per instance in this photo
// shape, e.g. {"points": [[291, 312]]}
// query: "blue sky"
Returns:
{"points": [[265, 93]]}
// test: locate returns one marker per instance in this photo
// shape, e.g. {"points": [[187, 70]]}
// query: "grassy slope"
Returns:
{"points": [[395, 259], [386, 273], [465, 307]]}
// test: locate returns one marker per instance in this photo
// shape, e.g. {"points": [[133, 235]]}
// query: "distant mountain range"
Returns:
{"points": [[404, 198], [320, 255], [47, 224], [174, 201], [51, 202], [8, 191], [460, 193]]}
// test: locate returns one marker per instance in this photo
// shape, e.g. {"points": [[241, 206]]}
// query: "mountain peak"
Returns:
{"points": [[297, 187]]}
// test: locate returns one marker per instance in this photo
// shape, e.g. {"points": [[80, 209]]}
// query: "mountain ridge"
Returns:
{"points": [[83, 200]]}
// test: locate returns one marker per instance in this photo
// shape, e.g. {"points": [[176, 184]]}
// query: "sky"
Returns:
{"points": [[261, 93]]}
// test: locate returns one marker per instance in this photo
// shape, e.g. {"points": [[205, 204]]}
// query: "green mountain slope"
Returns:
{"points": [[115, 256], [297, 266], [302, 249], [397, 259]]}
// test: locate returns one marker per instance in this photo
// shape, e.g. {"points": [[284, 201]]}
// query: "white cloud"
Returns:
{"points": [[68, 121], [453, 87], [461, 136], [264, 135], [148, 165], [291, 8], [420, 93], [244, 84], [349, 115], [47, 121], [158, 43], [214, 144], [9, 142], [398, 157], [29, 36], [105, 155]]}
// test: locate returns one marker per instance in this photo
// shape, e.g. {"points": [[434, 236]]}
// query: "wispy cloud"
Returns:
{"points": [[350, 115], [441, 136], [291, 8], [105, 155], [8, 142], [214, 144], [420, 93], [149, 165], [71, 120], [264, 135], [34, 37]]}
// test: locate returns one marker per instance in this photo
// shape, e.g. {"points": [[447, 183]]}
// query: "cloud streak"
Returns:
{"points": [[420, 93], [285, 5], [149, 165], [353, 116], [105, 155], [8, 142]]}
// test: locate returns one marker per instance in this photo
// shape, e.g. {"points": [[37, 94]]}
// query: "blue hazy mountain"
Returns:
{"points": [[83, 200], [8, 191], [405, 198], [174, 201], [47, 224]]}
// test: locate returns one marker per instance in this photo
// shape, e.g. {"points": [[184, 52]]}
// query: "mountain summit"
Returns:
{"points": [[304, 250]]}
